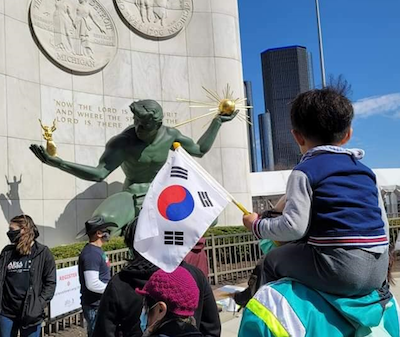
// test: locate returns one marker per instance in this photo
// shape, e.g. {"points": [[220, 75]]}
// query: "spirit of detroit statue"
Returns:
{"points": [[141, 150]]}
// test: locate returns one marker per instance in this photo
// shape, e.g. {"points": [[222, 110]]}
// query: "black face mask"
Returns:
{"points": [[14, 235]]}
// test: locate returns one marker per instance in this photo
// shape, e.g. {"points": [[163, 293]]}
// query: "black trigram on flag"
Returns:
{"points": [[173, 238], [205, 200], [179, 172]]}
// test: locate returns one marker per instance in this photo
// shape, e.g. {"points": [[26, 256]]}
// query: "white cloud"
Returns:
{"points": [[387, 105]]}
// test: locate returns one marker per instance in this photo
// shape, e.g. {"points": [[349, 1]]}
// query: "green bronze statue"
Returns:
{"points": [[141, 150]]}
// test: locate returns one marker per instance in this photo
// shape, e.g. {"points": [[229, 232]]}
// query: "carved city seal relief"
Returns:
{"points": [[156, 19], [79, 35]]}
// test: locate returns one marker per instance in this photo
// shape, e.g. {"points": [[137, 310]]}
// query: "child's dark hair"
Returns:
{"points": [[322, 115]]}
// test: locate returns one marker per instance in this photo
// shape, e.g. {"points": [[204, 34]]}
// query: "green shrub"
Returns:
{"points": [[67, 251], [394, 222], [74, 249], [225, 230], [114, 244]]}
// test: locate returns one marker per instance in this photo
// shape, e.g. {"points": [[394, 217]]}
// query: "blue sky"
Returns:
{"points": [[361, 42]]}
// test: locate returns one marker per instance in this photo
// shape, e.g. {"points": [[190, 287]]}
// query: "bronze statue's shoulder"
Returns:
{"points": [[128, 132], [171, 130], [123, 138]]}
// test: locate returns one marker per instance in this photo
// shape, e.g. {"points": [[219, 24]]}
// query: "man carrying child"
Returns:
{"points": [[333, 223]]}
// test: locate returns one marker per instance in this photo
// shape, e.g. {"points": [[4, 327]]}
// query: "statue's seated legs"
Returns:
{"points": [[120, 208]]}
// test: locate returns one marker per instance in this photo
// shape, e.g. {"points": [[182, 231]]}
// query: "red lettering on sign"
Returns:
{"points": [[68, 276]]}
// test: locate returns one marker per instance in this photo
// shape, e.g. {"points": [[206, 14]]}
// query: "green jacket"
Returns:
{"points": [[288, 308]]}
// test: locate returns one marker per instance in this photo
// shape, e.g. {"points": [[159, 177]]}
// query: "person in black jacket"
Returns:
{"points": [[170, 300], [27, 280], [120, 306]]}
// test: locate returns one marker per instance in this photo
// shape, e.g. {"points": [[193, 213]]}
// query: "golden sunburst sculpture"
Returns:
{"points": [[225, 105]]}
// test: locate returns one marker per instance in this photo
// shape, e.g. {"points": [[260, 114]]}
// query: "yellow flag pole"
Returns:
{"points": [[176, 145], [241, 207], [238, 204]]}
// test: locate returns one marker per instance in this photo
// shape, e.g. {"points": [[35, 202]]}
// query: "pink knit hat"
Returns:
{"points": [[177, 289]]}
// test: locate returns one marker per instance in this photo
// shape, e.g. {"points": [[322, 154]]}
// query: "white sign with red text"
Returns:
{"points": [[67, 297]]}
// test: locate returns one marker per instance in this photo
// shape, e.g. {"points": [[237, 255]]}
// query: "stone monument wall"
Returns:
{"points": [[83, 66]]}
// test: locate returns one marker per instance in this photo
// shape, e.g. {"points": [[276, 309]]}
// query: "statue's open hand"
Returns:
{"points": [[44, 157], [228, 118]]}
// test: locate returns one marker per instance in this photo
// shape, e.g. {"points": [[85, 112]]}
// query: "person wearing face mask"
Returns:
{"points": [[94, 268], [170, 301], [27, 280]]}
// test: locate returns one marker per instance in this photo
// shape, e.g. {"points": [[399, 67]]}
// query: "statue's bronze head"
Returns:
{"points": [[148, 116]]}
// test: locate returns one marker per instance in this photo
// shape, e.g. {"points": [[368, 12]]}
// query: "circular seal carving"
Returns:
{"points": [[156, 19], [79, 35]]}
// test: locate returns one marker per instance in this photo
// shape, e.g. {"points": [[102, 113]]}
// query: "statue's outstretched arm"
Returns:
{"points": [[111, 159], [206, 141]]}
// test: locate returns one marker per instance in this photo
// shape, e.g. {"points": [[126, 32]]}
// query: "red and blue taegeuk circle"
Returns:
{"points": [[175, 203]]}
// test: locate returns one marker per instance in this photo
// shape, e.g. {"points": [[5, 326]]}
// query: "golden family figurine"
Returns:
{"points": [[51, 147]]}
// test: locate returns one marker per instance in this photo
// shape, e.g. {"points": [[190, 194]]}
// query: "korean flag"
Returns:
{"points": [[182, 202]]}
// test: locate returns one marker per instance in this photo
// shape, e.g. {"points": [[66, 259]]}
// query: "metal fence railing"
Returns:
{"points": [[231, 258], [394, 233]]}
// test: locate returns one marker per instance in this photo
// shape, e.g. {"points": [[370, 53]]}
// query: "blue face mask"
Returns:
{"points": [[143, 320], [144, 316]]}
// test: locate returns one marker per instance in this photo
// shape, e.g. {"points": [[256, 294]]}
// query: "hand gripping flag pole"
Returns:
{"points": [[209, 177]]}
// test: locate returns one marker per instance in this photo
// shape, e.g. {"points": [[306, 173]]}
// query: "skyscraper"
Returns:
{"points": [[286, 73], [267, 152], [250, 114]]}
